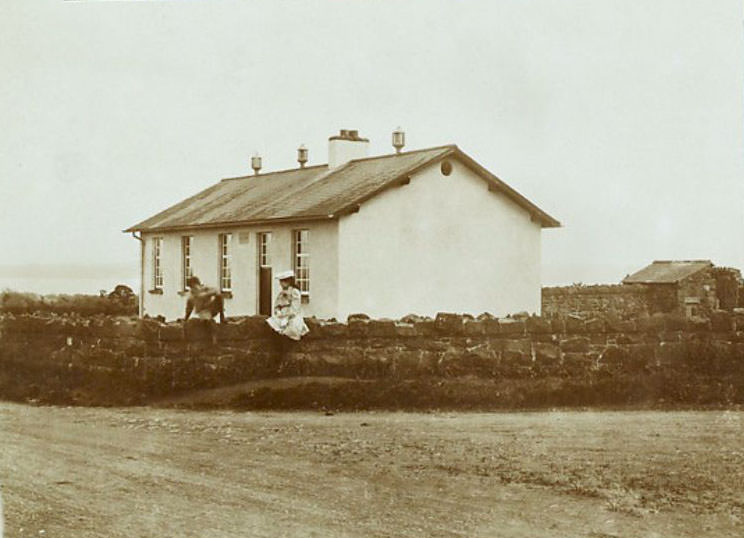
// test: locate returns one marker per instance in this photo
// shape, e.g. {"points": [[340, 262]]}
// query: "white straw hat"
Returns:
{"points": [[285, 274]]}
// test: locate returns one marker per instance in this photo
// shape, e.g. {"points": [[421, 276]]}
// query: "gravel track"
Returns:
{"points": [[130, 472]]}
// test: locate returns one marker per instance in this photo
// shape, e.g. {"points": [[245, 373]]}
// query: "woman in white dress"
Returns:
{"points": [[287, 319]]}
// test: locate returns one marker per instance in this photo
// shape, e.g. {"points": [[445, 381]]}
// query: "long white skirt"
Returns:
{"points": [[293, 327]]}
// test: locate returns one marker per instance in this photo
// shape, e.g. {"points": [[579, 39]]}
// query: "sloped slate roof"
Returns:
{"points": [[312, 193], [667, 271]]}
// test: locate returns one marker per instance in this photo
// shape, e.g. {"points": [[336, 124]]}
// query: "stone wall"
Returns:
{"points": [[728, 280], [450, 361], [620, 301], [696, 294]]}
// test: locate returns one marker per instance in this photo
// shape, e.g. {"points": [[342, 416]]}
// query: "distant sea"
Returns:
{"points": [[68, 279]]}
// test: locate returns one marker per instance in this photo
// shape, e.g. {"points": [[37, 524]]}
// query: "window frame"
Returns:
{"points": [[224, 245], [158, 280], [301, 260], [187, 268], [264, 249]]}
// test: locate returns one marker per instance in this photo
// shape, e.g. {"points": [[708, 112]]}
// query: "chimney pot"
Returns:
{"points": [[302, 155], [399, 139], [256, 163]]}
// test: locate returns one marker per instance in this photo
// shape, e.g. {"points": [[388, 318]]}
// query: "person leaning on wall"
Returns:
{"points": [[206, 303]]}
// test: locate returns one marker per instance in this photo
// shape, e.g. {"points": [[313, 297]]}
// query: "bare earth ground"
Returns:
{"points": [[81, 472]]}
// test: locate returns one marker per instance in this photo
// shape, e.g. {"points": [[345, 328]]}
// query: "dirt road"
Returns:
{"points": [[139, 472]]}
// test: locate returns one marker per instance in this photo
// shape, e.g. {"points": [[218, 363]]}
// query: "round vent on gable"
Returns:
{"points": [[446, 168]]}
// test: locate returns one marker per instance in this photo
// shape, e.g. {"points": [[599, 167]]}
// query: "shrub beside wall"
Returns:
{"points": [[447, 362], [13, 302]]}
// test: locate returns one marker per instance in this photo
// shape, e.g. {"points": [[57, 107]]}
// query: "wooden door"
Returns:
{"points": [[264, 291], [264, 274]]}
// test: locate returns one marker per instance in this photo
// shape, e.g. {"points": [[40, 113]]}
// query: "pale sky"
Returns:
{"points": [[623, 119]]}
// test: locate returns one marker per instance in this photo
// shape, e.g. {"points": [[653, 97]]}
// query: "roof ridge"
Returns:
{"points": [[683, 261], [273, 172], [385, 155]]}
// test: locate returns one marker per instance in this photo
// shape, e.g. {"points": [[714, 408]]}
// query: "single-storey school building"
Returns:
{"points": [[420, 231]]}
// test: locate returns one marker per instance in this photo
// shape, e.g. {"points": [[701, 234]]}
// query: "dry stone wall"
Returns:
{"points": [[727, 281], [606, 300], [451, 361]]}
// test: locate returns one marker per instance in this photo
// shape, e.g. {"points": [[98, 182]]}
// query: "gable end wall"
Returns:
{"points": [[439, 244]]}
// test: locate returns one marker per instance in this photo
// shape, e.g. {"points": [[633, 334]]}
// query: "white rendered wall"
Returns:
{"points": [[206, 262], [439, 244]]}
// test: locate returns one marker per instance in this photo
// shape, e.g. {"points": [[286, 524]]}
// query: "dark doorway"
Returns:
{"points": [[264, 274]]}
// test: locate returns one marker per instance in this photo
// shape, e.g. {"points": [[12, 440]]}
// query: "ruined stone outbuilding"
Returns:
{"points": [[688, 287], [684, 288]]}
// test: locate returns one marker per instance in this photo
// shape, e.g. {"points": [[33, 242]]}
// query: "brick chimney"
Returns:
{"points": [[346, 146]]}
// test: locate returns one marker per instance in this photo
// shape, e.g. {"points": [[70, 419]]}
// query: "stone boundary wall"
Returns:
{"points": [[613, 300], [449, 362]]}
